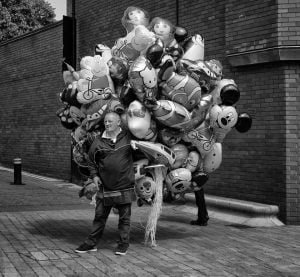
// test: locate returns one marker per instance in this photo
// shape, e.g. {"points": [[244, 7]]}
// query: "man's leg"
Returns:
{"points": [[101, 215], [123, 227], [202, 210]]}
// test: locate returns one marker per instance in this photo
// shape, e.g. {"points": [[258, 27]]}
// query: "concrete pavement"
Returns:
{"points": [[43, 221]]}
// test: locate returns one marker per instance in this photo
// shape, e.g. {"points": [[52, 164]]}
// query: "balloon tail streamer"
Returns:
{"points": [[156, 208]]}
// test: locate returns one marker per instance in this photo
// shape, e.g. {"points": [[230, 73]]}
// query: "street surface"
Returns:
{"points": [[43, 221]]}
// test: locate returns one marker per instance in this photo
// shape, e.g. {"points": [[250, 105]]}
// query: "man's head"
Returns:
{"points": [[112, 122]]}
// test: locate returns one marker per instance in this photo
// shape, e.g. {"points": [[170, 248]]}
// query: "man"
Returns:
{"points": [[111, 167]]}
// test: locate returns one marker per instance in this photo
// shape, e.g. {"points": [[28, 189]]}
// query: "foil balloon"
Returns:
{"points": [[204, 72], [77, 115], [65, 119], [213, 159], [94, 112], [202, 138], [244, 123], [224, 117], [139, 168], [179, 180], [156, 152], [95, 89], [170, 137], [192, 161], [225, 92], [164, 30], [152, 131], [69, 95], [143, 79], [86, 62], [171, 114], [133, 18], [194, 48], [199, 113], [182, 89], [138, 119], [118, 69], [145, 188], [181, 154]]}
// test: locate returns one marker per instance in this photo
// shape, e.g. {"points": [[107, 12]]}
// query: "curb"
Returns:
{"points": [[236, 211]]}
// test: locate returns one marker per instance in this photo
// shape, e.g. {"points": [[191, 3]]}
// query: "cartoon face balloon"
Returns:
{"points": [[179, 180], [138, 119], [143, 79], [223, 117], [145, 187]]}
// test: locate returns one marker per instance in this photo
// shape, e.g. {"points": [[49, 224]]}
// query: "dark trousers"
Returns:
{"points": [[200, 202], [101, 215]]}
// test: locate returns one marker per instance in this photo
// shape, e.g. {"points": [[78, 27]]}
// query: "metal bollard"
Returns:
{"points": [[18, 171]]}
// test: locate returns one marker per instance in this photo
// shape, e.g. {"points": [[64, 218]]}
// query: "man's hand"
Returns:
{"points": [[97, 181]]}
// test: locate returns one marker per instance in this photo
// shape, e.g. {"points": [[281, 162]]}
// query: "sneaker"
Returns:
{"points": [[83, 248], [121, 249]]}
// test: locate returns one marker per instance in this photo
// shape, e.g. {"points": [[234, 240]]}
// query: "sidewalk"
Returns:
{"points": [[43, 221]]}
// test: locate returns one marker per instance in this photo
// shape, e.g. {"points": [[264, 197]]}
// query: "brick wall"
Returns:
{"points": [[30, 83], [259, 165]]}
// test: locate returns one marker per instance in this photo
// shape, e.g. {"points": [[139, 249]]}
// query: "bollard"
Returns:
{"points": [[18, 171]]}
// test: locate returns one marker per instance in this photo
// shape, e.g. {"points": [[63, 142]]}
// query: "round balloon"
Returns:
{"points": [[179, 180], [244, 123]]}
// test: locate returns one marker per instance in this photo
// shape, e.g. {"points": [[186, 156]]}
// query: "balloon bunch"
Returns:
{"points": [[176, 104]]}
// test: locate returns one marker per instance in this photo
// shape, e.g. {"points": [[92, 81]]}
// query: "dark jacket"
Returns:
{"points": [[113, 162]]}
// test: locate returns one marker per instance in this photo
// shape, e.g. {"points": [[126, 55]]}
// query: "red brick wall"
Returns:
{"points": [[30, 83]]}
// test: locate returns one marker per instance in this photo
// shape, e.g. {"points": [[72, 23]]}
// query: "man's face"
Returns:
{"points": [[111, 122]]}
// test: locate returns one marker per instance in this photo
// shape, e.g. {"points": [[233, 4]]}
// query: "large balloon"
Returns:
{"points": [[183, 90], [143, 79], [171, 114], [138, 119]]}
